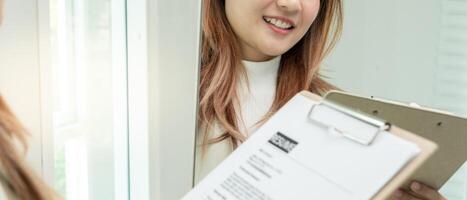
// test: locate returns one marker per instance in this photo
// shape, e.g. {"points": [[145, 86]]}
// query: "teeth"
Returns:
{"points": [[278, 23], [283, 24], [274, 21]]}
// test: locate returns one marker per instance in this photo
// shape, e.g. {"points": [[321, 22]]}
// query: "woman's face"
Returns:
{"points": [[269, 28]]}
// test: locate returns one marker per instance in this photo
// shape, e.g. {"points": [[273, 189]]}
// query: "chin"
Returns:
{"points": [[275, 49], [273, 52]]}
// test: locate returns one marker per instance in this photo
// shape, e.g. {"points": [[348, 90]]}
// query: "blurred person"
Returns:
{"points": [[17, 179]]}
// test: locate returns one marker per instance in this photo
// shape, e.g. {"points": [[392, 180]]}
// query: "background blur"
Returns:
{"points": [[409, 51], [108, 87]]}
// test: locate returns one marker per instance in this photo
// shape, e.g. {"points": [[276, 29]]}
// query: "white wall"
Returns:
{"points": [[19, 69], [404, 50], [385, 45], [174, 40]]}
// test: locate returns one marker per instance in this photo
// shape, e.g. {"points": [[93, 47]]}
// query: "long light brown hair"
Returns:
{"points": [[221, 66], [20, 179]]}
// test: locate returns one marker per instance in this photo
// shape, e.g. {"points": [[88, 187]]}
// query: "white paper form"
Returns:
{"points": [[290, 158]]}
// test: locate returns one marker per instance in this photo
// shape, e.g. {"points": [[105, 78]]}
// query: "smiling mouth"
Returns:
{"points": [[281, 24]]}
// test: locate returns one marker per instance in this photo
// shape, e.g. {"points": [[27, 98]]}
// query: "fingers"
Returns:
{"points": [[418, 191], [425, 192], [403, 195]]}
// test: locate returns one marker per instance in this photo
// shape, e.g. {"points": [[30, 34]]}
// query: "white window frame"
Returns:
{"points": [[163, 66], [120, 121], [120, 80], [47, 137], [153, 130]]}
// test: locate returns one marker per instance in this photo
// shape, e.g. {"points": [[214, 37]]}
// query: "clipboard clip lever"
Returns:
{"points": [[364, 137]]}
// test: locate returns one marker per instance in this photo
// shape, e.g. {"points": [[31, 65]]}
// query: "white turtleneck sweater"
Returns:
{"points": [[256, 96]]}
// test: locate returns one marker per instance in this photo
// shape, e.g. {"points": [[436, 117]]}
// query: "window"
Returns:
{"points": [[90, 98]]}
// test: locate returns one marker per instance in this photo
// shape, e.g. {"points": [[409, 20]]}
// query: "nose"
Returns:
{"points": [[289, 5]]}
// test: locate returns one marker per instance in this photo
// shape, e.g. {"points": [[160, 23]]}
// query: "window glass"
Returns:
{"points": [[89, 93]]}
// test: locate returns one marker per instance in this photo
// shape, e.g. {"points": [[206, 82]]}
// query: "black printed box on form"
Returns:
{"points": [[283, 142]]}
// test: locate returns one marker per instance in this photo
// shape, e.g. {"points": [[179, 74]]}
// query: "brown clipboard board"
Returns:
{"points": [[447, 130], [427, 149]]}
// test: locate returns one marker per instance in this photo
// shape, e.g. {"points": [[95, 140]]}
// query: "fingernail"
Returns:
{"points": [[416, 186]]}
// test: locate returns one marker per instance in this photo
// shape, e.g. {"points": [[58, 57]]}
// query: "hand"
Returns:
{"points": [[423, 193]]}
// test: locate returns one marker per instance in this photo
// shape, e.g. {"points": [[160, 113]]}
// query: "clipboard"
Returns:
{"points": [[447, 130], [294, 138], [427, 147]]}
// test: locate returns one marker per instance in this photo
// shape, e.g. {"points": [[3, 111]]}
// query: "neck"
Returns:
{"points": [[251, 54]]}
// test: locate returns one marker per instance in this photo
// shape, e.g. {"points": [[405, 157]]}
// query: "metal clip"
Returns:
{"points": [[365, 138]]}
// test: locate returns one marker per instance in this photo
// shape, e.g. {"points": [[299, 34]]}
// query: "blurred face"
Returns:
{"points": [[269, 28]]}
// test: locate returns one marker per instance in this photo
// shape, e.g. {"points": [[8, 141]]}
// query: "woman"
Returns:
{"points": [[17, 181], [256, 55]]}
